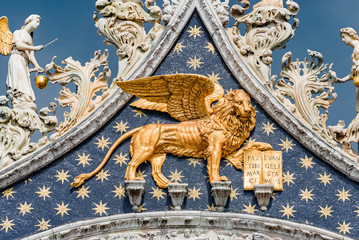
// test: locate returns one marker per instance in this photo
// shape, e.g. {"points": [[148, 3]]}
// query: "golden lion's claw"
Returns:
{"points": [[139, 178], [223, 178], [219, 179], [267, 146]]}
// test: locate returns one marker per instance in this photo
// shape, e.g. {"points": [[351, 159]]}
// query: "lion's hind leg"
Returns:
{"points": [[157, 162], [142, 147], [138, 158]]}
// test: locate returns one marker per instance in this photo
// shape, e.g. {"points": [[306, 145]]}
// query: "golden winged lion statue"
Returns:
{"points": [[204, 132]]}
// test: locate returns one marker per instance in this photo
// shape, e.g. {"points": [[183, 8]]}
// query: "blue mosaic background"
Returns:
{"points": [[314, 193]]}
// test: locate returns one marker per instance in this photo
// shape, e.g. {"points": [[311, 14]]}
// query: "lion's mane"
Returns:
{"points": [[225, 118]]}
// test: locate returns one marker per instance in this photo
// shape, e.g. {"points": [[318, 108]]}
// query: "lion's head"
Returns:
{"points": [[236, 113]]}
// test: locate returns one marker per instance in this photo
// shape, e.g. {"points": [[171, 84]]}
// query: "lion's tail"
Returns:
{"points": [[79, 180]]}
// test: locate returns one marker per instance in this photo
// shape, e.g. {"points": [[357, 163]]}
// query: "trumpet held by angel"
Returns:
{"points": [[207, 132]]}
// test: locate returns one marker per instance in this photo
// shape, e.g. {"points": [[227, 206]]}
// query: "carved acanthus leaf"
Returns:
{"points": [[18, 124], [89, 94], [268, 28], [302, 91], [123, 26]]}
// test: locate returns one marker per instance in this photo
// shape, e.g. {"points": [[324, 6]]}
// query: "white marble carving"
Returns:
{"points": [[263, 194], [245, 78], [122, 24], [18, 124], [89, 94], [135, 190], [346, 136], [174, 225], [267, 28], [21, 55], [169, 8], [304, 92], [221, 9], [177, 192], [220, 192]]}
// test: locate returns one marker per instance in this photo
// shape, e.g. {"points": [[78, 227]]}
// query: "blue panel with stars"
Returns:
{"points": [[314, 193]]}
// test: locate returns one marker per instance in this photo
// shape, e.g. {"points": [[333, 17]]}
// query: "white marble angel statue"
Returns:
{"points": [[21, 49], [350, 37]]}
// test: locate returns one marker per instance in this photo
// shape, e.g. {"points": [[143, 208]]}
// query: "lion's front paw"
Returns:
{"points": [[219, 179], [139, 178], [265, 147], [261, 146], [223, 178]]}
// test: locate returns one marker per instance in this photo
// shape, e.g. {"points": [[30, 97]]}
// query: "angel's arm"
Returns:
{"points": [[34, 62], [21, 45]]}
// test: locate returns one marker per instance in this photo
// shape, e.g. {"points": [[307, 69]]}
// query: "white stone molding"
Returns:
{"points": [[221, 8], [186, 225], [240, 71]]}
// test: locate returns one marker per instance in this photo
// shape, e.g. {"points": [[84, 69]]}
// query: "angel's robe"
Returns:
{"points": [[18, 77]]}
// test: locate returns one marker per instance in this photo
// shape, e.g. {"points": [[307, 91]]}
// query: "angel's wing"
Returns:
{"points": [[183, 96], [5, 37]]}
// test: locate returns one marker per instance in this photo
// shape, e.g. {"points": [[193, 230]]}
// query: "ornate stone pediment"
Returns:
{"points": [[193, 41]]}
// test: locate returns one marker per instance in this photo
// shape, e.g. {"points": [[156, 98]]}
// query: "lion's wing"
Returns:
{"points": [[144, 104], [181, 95], [162, 107], [5, 37]]}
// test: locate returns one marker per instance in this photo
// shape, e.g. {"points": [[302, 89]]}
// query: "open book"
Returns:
{"points": [[262, 167]]}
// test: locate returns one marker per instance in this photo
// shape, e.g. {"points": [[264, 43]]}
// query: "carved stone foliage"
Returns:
{"points": [[267, 28], [91, 90], [303, 92], [123, 26], [169, 8], [346, 136], [18, 124], [221, 9]]}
